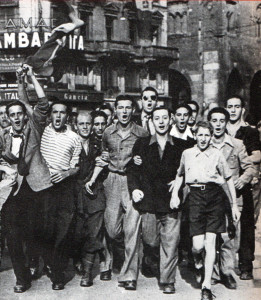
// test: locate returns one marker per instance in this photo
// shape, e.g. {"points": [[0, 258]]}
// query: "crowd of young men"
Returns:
{"points": [[112, 185]]}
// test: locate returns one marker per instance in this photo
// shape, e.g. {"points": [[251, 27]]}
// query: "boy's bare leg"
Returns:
{"points": [[210, 247]]}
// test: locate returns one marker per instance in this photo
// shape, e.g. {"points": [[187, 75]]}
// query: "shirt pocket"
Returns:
{"points": [[233, 162]]}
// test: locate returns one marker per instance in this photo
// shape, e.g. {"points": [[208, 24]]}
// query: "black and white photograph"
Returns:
{"points": [[130, 149]]}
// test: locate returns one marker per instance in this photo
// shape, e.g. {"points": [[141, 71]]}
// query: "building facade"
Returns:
{"points": [[200, 50]]}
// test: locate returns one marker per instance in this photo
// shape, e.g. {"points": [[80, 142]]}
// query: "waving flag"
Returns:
{"points": [[43, 61]]}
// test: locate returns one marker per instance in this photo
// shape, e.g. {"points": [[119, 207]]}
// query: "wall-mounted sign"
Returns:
{"points": [[10, 63], [8, 96], [14, 40]]}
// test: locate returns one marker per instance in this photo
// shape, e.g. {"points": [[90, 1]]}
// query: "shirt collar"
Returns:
{"points": [[187, 133], [11, 132], [153, 139], [207, 152], [133, 128], [144, 115], [227, 140]]}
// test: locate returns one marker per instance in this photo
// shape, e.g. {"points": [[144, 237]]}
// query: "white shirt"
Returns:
{"points": [[184, 136], [16, 143]]}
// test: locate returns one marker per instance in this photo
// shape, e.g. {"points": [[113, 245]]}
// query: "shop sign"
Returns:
{"points": [[10, 63], [8, 96]]}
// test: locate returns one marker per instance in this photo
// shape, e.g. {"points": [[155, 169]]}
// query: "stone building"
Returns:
{"points": [[201, 50], [219, 46], [121, 49]]}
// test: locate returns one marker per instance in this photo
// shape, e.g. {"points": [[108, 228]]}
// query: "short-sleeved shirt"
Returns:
{"points": [[61, 150], [201, 167], [120, 149]]}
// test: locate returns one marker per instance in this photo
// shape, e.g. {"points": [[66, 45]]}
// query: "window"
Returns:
{"points": [[86, 29], [132, 81], [133, 31], [109, 27], [109, 79], [8, 3]]}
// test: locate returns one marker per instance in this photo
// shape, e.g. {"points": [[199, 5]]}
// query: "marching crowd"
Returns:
{"points": [[110, 181]]}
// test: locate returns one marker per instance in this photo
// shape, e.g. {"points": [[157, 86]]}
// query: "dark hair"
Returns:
{"points": [[194, 103], [106, 106], [237, 97], [68, 111], [151, 89], [124, 97], [181, 105], [203, 124], [15, 103], [219, 110], [160, 108], [96, 114]]}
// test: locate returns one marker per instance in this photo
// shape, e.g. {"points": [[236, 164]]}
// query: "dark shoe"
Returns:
{"points": [[206, 294], [169, 289], [130, 285], [229, 282], [106, 275], [199, 275], [86, 280], [21, 288], [121, 284], [57, 286], [78, 268], [149, 271], [47, 271], [247, 275]]}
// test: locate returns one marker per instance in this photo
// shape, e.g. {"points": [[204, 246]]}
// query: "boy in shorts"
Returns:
{"points": [[205, 171]]}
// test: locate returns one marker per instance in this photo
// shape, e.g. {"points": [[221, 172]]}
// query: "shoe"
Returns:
{"points": [[229, 282], [21, 288], [86, 280], [121, 284], [130, 285], [246, 275], [58, 286], [149, 271], [169, 288], [106, 275], [47, 271], [206, 294], [199, 275], [78, 268]]}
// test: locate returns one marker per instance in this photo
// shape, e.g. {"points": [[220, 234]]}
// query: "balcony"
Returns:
{"points": [[135, 51]]}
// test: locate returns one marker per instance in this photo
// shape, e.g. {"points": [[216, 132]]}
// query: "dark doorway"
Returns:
{"points": [[255, 96], [179, 87], [234, 84]]}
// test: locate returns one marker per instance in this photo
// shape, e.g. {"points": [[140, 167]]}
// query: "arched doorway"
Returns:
{"points": [[179, 87], [234, 84], [255, 96]]}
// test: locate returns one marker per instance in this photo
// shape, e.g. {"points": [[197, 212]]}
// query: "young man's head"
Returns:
{"points": [[84, 124], [182, 114], [203, 132], [16, 113], [124, 108], [194, 112], [4, 121], [218, 118], [108, 111], [149, 98], [99, 121], [59, 115], [161, 119], [234, 105]]}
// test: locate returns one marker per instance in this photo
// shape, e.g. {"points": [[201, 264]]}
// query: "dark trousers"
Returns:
{"points": [[89, 232], [20, 224], [57, 211], [247, 242]]}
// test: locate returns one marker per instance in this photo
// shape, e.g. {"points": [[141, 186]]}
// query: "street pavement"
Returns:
{"points": [[147, 288]]}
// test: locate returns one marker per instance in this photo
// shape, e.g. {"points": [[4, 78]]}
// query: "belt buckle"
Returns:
{"points": [[203, 187]]}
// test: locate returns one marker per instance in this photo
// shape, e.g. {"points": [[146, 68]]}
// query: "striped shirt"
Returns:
{"points": [[61, 150]]}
